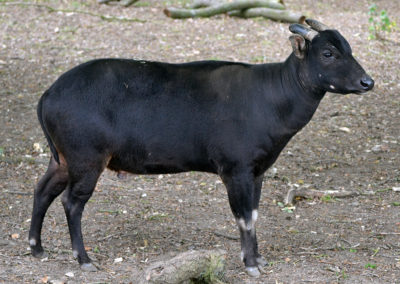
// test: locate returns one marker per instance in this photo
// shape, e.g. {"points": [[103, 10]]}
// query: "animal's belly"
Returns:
{"points": [[159, 165]]}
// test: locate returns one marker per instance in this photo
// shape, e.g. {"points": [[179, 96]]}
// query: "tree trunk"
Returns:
{"points": [[273, 14], [221, 8]]}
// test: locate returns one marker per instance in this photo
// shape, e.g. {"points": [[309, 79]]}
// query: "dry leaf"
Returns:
{"points": [[15, 236]]}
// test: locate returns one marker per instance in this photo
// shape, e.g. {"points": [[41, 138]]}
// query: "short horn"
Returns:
{"points": [[303, 31], [317, 25]]}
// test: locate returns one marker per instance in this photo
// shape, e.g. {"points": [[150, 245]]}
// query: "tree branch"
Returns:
{"points": [[273, 14], [221, 8]]}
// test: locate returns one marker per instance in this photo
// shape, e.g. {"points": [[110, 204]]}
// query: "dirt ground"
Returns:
{"points": [[352, 143]]}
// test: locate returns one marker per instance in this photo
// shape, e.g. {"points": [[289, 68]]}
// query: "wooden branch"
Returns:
{"points": [[221, 8], [273, 14], [51, 9], [184, 267], [307, 193]]}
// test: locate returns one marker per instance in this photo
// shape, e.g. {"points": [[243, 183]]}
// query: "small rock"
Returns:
{"points": [[70, 274], [345, 129], [272, 172], [37, 148], [396, 188], [55, 281], [379, 148], [119, 259]]}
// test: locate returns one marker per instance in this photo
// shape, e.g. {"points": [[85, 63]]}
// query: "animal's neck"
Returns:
{"points": [[301, 96]]}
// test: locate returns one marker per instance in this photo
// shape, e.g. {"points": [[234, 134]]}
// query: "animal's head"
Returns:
{"points": [[329, 60]]}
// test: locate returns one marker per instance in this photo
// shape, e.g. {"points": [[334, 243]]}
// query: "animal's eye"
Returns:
{"points": [[327, 53]]}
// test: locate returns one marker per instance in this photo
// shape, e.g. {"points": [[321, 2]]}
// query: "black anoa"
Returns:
{"points": [[142, 117]]}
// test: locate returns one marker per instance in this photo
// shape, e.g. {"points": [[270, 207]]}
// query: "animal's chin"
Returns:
{"points": [[358, 92]]}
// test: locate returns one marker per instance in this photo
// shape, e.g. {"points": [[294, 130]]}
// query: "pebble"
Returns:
{"points": [[345, 129], [70, 274], [55, 281]]}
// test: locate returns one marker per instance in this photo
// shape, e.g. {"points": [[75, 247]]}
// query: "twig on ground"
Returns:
{"points": [[18, 192], [387, 234]]}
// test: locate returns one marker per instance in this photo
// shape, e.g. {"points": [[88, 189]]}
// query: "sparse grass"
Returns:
{"points": [[328, 198], [214, 273], [370, 265], [379, 23]]}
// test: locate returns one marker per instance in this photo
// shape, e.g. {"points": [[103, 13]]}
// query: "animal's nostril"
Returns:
{"points": [[367, 82]]}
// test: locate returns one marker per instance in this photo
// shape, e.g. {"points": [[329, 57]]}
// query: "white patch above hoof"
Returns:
{"points": [[75, 253], [253, 271], [261, 261], [88, 267], [32, 242]]}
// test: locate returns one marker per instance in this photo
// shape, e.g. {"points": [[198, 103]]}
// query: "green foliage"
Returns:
{"points": [[370, 265], [214, 273], [287, 209], [379, 23], [327, 198]]}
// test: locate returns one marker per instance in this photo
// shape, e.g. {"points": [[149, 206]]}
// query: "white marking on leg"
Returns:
{"points": [[249, 226], [242, 224], [320, 75], [32, 242], [254, 216], [75, 253], [332, 87], [242, 256]]}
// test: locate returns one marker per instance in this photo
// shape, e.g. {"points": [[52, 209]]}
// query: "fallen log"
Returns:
{"points": [[185, 267], [177, 13], [273, 14]]}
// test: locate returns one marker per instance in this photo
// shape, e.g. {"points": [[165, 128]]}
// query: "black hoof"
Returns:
{"points": [[88, 267], [253, 271], [39, 253]]}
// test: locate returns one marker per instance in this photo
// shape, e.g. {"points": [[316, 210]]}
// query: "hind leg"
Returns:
{"points": [[83, 179], [49, 187]]}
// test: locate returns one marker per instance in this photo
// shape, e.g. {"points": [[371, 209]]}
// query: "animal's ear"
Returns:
{"points": [[299, 45]]}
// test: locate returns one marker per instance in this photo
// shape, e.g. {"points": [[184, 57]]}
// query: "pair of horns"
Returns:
{"points": [[306, 32]]}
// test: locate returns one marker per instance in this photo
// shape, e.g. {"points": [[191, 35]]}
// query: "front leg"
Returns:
{"points": [[244, 194]]}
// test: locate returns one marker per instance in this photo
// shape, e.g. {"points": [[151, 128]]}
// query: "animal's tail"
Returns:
{"points": [[46, 134]]}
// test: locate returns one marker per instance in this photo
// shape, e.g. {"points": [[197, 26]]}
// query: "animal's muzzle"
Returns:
{"points": [[367, 83]]}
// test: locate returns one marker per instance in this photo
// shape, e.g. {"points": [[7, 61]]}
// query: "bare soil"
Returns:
{"points": [[352, 143]]}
